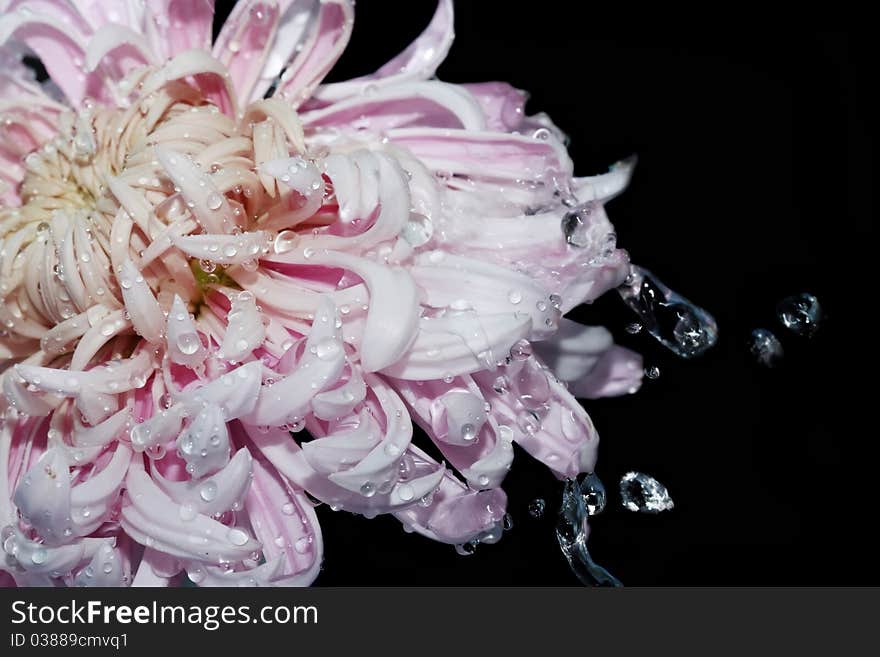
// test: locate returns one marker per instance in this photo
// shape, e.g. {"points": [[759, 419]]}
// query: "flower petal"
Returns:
{"points": [[418, 62]]}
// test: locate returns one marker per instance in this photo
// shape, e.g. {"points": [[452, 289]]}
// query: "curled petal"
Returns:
{"points": [[381, 463], [107, 569], [235, 392], [392, 319], [93, 500], [326, 41], [320, 367], [154, 520], [459, 344], [159, 429], [223, 249], [204, 444], [617, 372], [214, 494], [209, 207], [129, 48], [184, 343], [606, 186], [245, 331], [574, 351], [338, 402], [457, 514], [418, 62], [456, 281], [43, 498], [146, 315], [285, 523], [41, 559]]}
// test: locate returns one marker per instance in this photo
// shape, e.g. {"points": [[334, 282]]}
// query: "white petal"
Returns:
{"points": [[204, 444], [141, 304]]}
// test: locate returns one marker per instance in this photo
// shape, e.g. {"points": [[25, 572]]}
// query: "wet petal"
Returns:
{"points": [[204, 443], [153, 519]]}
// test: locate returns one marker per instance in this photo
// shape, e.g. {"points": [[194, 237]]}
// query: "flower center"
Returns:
{"points": [[101, 192]]}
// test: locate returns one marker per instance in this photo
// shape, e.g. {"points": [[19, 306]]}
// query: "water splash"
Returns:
{"points": [[800, 314], [536, 508], [642, 493], [678, 324], [572, 532], [766, 348]]}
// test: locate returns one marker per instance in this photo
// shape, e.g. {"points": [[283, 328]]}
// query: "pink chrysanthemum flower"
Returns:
{"points": [[224, 285]]}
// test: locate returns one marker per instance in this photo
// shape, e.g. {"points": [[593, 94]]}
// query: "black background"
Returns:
{"points": [[754, 183]]}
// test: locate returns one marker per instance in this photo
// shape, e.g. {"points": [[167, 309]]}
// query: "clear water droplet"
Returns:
{"points": [[214, 201], [682, 327], [237, 537], [593, 491], [208, 491], [188, 343], [800, 314], [642, 493], [633, 328], [652, 372], [537, 507], [418, 230], [766, 348], [405, 492]]}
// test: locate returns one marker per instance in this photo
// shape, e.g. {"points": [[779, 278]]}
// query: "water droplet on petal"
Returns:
{"points": [[406, 493], [214, 201], [208, 491], [237, 537]]}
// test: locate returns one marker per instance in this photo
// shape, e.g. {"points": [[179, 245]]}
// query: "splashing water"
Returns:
{"points": [[679, 325], [572, 532], [766, 348], [642, 493], [800, 314]]}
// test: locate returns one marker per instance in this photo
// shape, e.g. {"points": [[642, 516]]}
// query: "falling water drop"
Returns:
{"points": [[766, 348], [593, 491], [536, 508], [679, 325], [642, 493], [800, 314]]}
